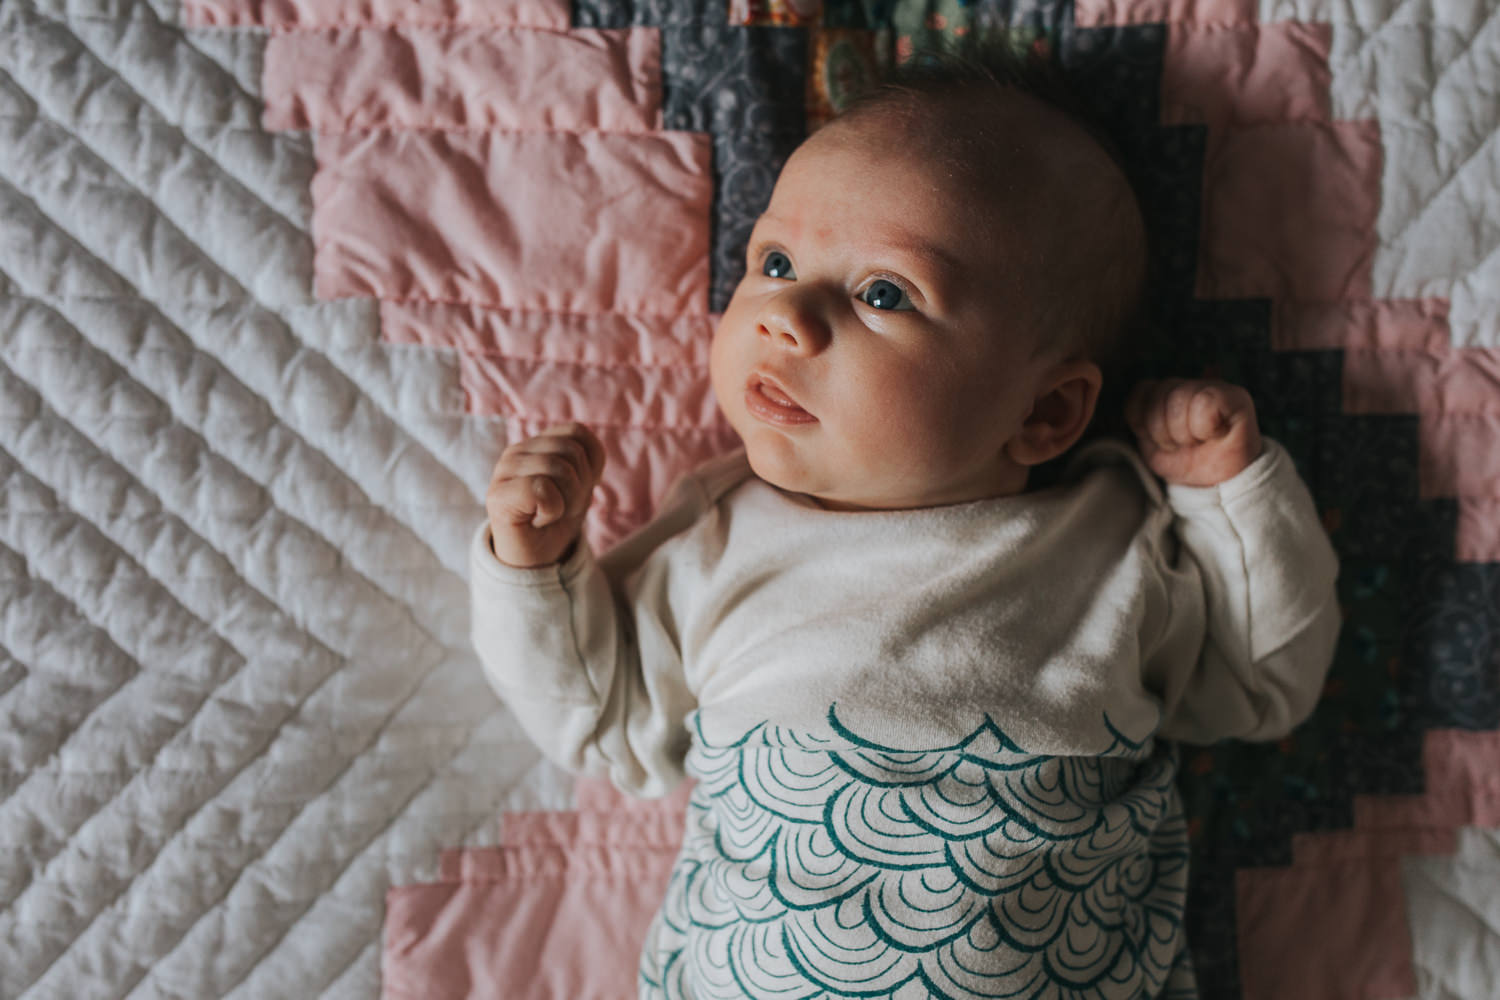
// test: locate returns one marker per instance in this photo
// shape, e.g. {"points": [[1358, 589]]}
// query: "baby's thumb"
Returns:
{"points": [[549, 505]]}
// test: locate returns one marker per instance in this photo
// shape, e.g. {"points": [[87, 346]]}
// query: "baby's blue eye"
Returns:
{"points": [[886, 295], [777, 265]]}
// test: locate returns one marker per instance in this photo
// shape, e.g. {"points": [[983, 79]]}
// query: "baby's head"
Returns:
{"points": [[928, 295]]}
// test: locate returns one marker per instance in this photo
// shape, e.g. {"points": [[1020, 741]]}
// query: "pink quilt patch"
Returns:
{"points": [[562, 907], [500, 183]]}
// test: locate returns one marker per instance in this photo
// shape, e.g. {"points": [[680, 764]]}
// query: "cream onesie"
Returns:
{"points": [[931, 747]]}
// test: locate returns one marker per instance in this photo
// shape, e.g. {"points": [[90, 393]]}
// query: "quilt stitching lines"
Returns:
{"points": [[203, 250], [132, 658], [343, 869], [242, 659], [125, 667], [207, 449], [332, 466], [114, 72], [353, 759], [12, 672], [246, 763], [1454, 176]]}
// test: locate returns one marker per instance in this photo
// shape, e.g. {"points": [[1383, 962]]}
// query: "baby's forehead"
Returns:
{"points": [[1009, 172], [998, 140]]}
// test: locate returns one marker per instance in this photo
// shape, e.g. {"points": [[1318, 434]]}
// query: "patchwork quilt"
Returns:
{"points": [[279, 278]]}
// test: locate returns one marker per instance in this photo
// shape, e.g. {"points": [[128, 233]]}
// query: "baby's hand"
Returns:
{"points": [[1194, 433], [539, 492]]}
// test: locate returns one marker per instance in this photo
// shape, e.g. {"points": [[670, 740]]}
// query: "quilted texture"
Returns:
{"points": [[238, 697], [278, 278]]}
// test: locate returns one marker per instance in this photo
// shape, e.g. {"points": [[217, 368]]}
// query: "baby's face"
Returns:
{"points": [[879, 352]]}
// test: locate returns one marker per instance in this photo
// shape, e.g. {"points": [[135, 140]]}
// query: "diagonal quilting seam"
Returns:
{"points": [[209, 627], [109, 696], [187, 34], [49, 581], [470, 740], [98, 630], [312, 692], [332, 467], [208, 449], [1360, 58], [228, 463], [9, 679], [1463, 280], [290, 713], [1363, 56], [1455, 63], [1486, 137], [396, 812], [376, 732], [173, 23], [1452, 178], [373, 949], [113, 71], [179, 36], [285, 324]]}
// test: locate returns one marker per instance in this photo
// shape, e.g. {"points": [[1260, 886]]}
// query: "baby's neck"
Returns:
{"points": [[995, 492]]}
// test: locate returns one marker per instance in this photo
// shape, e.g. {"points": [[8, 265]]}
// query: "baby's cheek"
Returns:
{"points": [[721, 364]]}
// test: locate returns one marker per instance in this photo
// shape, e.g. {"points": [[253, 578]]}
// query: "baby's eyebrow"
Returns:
{"points": [[931, 254]]}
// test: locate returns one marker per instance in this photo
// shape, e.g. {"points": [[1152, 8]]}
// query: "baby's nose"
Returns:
{"points": [[792, 326], [779, 334]]}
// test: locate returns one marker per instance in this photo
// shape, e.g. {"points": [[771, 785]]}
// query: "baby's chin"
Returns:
{"points": [[782, 471], [816, 486], [790, 473]]}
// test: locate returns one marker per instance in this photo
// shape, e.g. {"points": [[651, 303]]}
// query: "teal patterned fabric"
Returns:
{"points": [[838, 867]]}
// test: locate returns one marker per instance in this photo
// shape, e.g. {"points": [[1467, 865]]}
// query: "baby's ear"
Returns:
{"points": [[1060, 414]]}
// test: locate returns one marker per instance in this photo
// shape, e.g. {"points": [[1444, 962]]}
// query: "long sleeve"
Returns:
{"points": [[586, 655], [1252, 587]]}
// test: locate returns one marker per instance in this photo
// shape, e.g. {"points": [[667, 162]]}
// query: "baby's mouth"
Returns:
{"points": [[768, 401]]}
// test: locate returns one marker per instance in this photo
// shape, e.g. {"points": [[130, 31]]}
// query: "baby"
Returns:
{"points": [[927, 709]]}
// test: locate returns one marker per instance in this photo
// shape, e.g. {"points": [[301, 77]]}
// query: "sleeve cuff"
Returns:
{"points": [[484, 564], [1273, 463]]}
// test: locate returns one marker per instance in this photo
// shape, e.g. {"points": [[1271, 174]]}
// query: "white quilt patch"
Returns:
{"points": [[1427, 71], [237, 698]]}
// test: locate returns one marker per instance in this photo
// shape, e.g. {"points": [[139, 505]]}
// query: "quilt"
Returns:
{"points": [[279, 279]]}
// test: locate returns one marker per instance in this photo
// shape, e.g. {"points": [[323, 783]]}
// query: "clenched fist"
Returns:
{"points": [[1194, 432], [539, 492]]}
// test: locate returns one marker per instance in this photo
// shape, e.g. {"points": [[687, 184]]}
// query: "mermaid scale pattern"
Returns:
{"points": [[838, 867]]}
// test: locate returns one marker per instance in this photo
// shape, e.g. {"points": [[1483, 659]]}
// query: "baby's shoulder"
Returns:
{"points": [[1110, 463]]}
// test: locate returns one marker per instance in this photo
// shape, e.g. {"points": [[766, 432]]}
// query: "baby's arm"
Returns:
{"points": [[585, 662], [1254, 613]]}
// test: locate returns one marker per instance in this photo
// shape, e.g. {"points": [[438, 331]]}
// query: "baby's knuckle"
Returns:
{"points": [[559, 467], [577, 452]]}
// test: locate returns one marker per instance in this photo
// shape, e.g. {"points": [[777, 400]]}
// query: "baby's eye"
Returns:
{"points": [[886, 295], [777, 265]]}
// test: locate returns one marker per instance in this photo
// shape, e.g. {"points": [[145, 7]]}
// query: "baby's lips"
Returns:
{"points": [[773, 389]]}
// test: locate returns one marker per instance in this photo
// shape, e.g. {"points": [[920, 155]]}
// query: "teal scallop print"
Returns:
{"points": [[816, 868]]}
